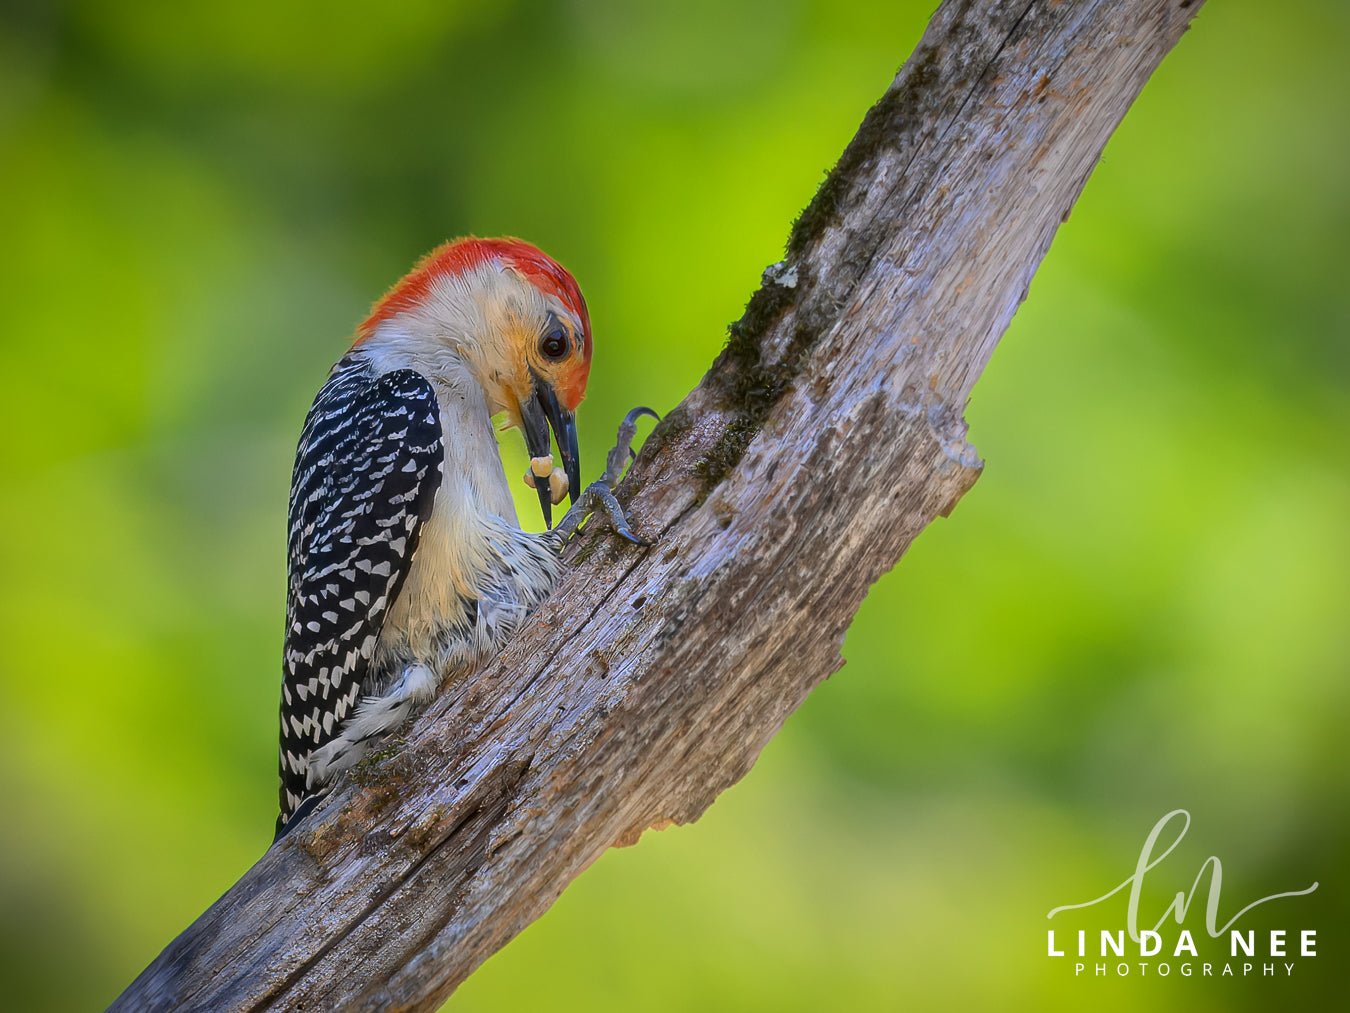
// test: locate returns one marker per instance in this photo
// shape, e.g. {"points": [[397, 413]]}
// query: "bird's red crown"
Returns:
{"points": [[460, 255]]}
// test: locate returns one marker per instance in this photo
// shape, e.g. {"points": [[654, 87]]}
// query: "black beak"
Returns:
{"points": [[537, 414]]}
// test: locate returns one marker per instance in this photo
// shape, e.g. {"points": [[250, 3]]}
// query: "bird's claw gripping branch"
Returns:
{"points": [[599, 495]]}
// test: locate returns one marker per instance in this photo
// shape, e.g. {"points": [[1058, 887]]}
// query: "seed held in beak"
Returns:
{"points": [[558, 484], [539, 414]]}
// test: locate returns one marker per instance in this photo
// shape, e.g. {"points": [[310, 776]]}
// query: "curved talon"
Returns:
{"points": [[601, 492], [627, 533], [637, 413]]}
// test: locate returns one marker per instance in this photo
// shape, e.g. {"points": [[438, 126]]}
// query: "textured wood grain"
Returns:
{"points": [[826, 436]]}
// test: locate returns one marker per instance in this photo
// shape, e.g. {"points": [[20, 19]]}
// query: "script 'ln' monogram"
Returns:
{"points": [[1182, 903]]}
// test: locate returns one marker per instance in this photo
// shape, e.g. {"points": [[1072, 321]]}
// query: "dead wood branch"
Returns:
{"points": [[825, 437]]}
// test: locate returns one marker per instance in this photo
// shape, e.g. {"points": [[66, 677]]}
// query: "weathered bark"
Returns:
{"points": [[820, 443]]}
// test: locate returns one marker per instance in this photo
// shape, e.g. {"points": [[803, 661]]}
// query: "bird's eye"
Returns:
{"points": [[555, 344]]}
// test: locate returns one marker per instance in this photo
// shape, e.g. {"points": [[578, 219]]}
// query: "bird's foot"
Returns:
{"points": [[599, 495]]}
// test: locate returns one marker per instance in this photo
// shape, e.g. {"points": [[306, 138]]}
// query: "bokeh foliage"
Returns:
{"points": [[1141, 605]]}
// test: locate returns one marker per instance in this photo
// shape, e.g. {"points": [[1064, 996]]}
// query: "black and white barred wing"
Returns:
{"points": [[366, 473]]}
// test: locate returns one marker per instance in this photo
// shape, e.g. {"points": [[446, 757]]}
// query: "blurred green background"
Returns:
{"points": [[1141, 605]]}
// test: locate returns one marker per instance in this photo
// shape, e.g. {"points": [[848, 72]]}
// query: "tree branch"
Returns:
{"points": [[824, 438]]}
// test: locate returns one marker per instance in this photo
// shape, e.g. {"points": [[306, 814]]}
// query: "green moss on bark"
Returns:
{"points": [[892, 112], [751, 386]]}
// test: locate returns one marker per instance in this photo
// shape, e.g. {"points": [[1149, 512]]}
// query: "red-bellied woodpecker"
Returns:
{"points": [[406, 561]]}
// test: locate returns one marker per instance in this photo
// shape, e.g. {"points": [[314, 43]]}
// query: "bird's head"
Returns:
{"points": [[517, 319]]}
